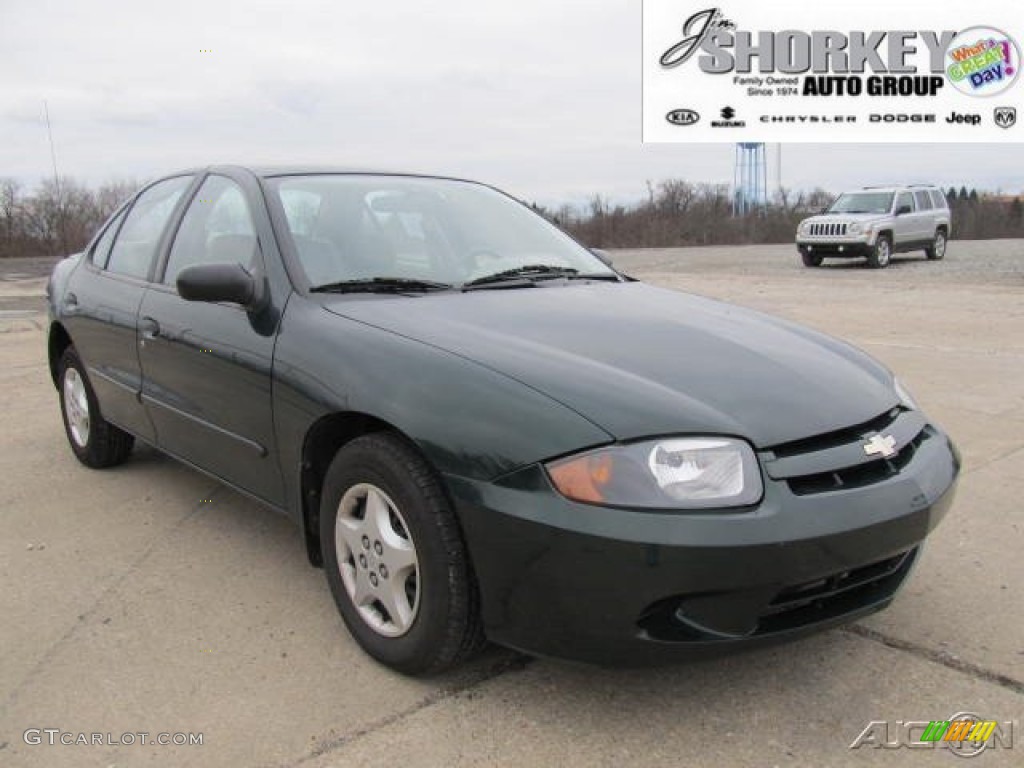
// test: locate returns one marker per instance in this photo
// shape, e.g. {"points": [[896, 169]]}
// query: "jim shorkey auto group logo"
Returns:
{"points": [[978, 61]]}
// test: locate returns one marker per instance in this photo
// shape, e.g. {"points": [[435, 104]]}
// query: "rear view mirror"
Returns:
{"points": [[903, 209], [219, 282]]}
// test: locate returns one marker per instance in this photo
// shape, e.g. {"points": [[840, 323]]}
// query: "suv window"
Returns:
{"points": [[217, 228], [924, 201], [137, 241], [938, 199], [101, 251], [905, 199]]}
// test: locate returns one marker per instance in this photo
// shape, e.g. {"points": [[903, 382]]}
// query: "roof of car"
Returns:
{"points": [[896, 188], [270, 171]]}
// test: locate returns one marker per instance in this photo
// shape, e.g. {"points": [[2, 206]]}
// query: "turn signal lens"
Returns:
{"points": [[583, 477]]}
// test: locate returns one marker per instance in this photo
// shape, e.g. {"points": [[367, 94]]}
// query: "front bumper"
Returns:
{"points": [[833, 248], [614, 586]]}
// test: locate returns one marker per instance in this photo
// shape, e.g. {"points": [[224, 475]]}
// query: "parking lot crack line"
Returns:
{"points": [[514, 663], [938, 657], [1012, 452], [83, 617]]}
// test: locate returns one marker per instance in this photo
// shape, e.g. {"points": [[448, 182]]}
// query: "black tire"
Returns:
{"points": [[445, 628], [881, 254], [101, 444], [938, 248], [811, 259]]}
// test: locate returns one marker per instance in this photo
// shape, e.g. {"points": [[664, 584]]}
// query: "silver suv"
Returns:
{"points": [[876, 222]]}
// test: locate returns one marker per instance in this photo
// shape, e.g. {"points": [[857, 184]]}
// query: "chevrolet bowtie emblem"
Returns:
{"points": [[881, 445]]}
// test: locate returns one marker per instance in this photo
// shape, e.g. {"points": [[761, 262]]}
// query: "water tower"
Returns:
{"points": [[750, 179]]}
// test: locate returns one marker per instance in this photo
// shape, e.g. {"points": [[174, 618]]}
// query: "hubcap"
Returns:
{"points": [[940, 245], [76, 407], [883, 252], [377, 560]]}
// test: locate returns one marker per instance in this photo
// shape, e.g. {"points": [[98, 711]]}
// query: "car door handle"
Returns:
{"points": [[149, 328]]}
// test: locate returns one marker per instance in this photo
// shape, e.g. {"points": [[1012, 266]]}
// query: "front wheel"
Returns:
{"points": [[395, 559], [938, 247], [881, 253], [96, 443], [811, 259]]}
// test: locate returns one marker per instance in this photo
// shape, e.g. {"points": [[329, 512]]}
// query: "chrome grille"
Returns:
{"points": [[828, 229]]}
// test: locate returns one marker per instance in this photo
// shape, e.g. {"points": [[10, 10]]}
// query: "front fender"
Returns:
{"points": [[469, 420]]}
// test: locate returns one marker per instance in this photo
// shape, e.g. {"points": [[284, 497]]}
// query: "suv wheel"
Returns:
{"points": [[938, 247], [811, 259], [395, 559], [881, 253]]}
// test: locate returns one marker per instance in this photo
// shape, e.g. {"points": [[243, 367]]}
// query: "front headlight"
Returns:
{"points": [[855, 228], [905, 397], [804, 227], [680, 472]]}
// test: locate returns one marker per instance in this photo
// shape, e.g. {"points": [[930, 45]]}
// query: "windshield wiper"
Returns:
{"points": [[526, 272], [381, 285], [526, 276]]}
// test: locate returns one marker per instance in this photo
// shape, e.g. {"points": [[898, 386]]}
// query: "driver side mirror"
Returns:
{"points": [[603, 255], [221, 282], [903, 209]]}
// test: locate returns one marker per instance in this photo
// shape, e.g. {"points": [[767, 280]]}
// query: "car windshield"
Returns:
{"points": [[348, 227], [862, 202]]}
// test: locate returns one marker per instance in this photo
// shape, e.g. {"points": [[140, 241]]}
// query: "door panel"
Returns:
{"points": [[207, 375], [904, 226], [102, 325]]}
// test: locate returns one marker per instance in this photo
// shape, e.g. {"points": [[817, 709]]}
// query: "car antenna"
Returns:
{"points": [[56, 183]]}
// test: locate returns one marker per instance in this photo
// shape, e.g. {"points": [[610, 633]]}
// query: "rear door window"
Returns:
{"points": [[139, 237], [924, 201], [101, 251]]}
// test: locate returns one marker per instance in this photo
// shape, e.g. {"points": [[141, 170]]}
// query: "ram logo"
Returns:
{"points": [[1005, 117]]}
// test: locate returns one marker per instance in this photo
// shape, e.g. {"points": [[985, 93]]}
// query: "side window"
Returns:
{"points": [[217, 228], [101, 251], [905, 199], [137, 241], [938, 199], [924, 202]]}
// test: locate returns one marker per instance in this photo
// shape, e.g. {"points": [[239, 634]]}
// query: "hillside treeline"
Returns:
{"points": [[57, 219]]}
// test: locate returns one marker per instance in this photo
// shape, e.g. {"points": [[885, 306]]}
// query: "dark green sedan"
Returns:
{"points": [[482, 429]]}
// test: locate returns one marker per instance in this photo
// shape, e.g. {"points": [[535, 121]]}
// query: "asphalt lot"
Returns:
{"points": [[150, 599]]}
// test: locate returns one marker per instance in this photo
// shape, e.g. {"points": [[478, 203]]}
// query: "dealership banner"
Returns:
{"points": [[822, 72]]}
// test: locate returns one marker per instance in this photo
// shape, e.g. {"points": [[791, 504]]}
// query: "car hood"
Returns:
{"points": [[832, 218], [641, 361]]}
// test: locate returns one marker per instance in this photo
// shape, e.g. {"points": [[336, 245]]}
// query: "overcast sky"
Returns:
{"points": [[540, 97]]}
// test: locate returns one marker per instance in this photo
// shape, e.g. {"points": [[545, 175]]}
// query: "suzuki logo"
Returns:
{"points": [[728, 113], [1005, 116], [881, 445]]}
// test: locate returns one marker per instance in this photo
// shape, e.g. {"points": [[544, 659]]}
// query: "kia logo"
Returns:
{"points": [[682, 117]]}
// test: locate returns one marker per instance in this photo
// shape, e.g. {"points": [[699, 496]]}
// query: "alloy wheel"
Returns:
{"points": [[377, 560]]}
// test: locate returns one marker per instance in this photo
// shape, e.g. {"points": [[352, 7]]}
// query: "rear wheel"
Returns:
{"points": [[95, 442], [811, 259], [395, 560], [938, 247], [881, 253]]}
